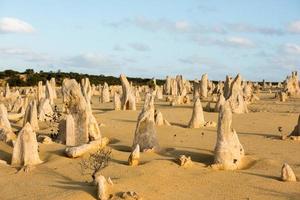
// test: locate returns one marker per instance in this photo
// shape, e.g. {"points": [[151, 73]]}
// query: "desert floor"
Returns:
{"points": [[159, 176]]}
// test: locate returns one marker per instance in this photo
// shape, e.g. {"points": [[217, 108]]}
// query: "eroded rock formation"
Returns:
{"points": [[145, 133], [228, 150]]}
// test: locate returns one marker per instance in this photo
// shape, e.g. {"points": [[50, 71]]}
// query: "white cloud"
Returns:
{"points": [[185, 26], [204, 62], [284, 62], [91, 60], [234, 42], [147, 24], [238, 42], [205, 8], [139, 47], [194, 65], [182, 25], [14, 51], [248, 28], [193, 28], [160, 24], [27, 55], [285, 58], [118, 47], [294, 27], [179, 26], [13, 25], [290, 48]]}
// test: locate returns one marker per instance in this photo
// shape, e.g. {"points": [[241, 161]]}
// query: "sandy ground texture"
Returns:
{"points": [[159, 177]]}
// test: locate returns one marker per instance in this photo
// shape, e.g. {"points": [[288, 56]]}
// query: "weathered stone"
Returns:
{"points": [[173, 103], [208, 107], [102, 188], [6, 133], [214, 99], [185, 161], [7, 91], [227, 87], [105, 96], [31, 115], [93, 128], [210, 124], [45, 111], [86, 126], [296, 132], [203, 86], [128, 97], [130, 195], [228, 150], [117, 101], [74, 152], [109, 181], [25, 152], [3, 162], [159, 119], [17, 106], [40, 91], [196, 91], [86, 89], [186, 99], [236, 99], [134, 157], [167, 86], [282, 96], [287, 174], [49, 93], [159, 93], [45, 139], [248, 92], [4, 116], [145, 133], [24, 106], [137, 96], [180, 84], [219, 103], [174, 87], [15, 116], [53, 86], [70, 131], [291, 85], [197, 119], [169, 98]]}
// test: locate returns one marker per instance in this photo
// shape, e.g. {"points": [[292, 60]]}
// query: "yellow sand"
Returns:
{"points": [[159, 176]]}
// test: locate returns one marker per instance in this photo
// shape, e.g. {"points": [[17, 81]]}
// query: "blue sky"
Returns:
{"points": [[258, 38]]}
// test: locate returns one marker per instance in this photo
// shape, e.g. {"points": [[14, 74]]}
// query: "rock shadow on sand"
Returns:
{"points": [[76, 185], [125, 162], [122, 148], [276, 194], [204, 158], [67, 183], [179, 124], [270, 136], [263, 175], [126, 120], [58, 152], [5, 156]]}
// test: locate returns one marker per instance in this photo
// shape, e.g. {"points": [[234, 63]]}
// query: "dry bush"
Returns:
{"points": [[54, 122], [95, 162]]}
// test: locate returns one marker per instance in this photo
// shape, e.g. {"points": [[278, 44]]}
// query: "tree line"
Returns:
{"points": [[31, 78]]}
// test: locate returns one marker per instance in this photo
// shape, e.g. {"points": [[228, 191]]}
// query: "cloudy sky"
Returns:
{"points": [[152, 38]]}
